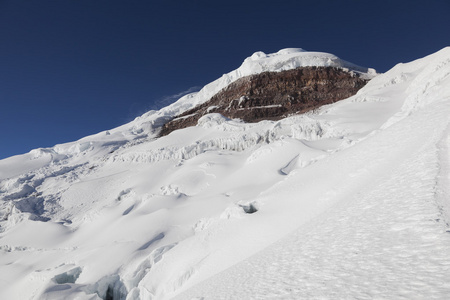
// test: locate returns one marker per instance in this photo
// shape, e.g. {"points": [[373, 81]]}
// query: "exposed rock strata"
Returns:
{"points": [[274, 95]]}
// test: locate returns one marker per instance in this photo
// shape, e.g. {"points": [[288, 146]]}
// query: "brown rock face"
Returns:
{"points": [[274, 95]]}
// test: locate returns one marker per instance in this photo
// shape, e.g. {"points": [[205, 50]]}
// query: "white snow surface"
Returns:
{"points": [[351, 201]]}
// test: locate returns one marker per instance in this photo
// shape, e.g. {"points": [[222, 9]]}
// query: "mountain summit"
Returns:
{"points": [[297, 175], [274, 95]]}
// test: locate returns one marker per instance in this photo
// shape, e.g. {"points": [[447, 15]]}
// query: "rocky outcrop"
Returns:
{"points": [[274, 95]]}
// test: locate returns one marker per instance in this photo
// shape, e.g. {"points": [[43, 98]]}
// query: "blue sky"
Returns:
{"points": [[71, 68]]}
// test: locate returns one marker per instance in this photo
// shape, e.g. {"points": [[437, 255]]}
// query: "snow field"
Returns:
{"points": [[383, 237]]}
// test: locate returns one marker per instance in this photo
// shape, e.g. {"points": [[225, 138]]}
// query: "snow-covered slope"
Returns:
{"points": [[146, 126], [350, 201]]}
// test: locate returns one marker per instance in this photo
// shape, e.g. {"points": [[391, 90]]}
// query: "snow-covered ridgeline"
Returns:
{"points": [[419, 83], [147, 125], [432, 72], [416, 80], [285, 59]]}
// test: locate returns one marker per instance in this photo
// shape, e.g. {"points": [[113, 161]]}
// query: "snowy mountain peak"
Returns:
{"points": [[291, 58], [259, 62], [350, 200], [290, 50], [274, 95], [258, 55]]}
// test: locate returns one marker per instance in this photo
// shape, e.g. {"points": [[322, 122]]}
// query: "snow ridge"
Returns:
{"points": [[285, 59]]}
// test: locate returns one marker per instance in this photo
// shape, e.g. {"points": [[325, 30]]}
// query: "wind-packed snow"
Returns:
{"points": [[348, 202]]}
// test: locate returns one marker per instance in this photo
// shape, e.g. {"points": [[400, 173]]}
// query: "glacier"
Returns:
{"points": [[348, 201]]}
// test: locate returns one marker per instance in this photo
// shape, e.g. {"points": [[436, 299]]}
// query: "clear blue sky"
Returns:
{"points": [[71, 68]]}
